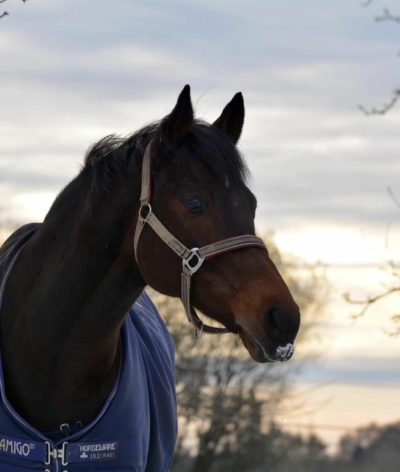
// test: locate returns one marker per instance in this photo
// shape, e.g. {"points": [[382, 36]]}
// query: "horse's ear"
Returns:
{"points": [[180, 120], [232, 118]]}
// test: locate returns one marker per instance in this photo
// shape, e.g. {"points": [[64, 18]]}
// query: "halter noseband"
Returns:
{"points": [[192, 259]]}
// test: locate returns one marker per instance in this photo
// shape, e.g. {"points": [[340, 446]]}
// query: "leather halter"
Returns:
{"points": [[192, 259]]}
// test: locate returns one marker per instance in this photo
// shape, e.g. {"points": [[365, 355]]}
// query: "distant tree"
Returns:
{"points": [[371, 449], [226, 401]]}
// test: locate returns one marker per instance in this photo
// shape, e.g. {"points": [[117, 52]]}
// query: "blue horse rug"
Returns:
{"points": [[137, 427]]}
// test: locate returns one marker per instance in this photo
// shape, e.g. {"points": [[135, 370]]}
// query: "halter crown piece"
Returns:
{"points": [[192, 259]]}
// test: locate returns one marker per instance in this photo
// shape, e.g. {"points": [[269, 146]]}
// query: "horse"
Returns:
{"points": [[87, 364]]}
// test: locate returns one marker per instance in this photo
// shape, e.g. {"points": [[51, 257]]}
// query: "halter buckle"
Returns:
{"points": [[193, 268]]}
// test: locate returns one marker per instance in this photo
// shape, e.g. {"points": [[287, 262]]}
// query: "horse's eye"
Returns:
{"points": [[193, 204]]}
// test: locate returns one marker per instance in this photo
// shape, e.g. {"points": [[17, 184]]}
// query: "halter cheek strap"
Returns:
{"points": [[192, 259]]}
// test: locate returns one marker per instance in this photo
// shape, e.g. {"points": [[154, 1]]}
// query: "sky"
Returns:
{"points": [[72, 72]]}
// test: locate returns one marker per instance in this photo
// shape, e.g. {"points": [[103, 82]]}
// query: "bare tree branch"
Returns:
{"points": [[6, 12], [387, 16], [392, 268], [385, 107], [396, 332], [369, 301]]}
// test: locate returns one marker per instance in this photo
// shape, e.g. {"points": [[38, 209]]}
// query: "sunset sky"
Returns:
{"points": [[73, 72]]}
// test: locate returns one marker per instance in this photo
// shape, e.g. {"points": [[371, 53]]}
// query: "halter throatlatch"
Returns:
{"points": [[192, 259]]}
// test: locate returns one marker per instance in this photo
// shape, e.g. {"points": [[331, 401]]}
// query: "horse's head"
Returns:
{"points": [[199, 193]]}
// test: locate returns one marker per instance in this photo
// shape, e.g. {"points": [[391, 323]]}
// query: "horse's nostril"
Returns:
{"points": [[280, 325], [271, 323]]}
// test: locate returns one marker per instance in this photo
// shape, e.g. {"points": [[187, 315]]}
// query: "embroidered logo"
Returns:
{"points": [[92, 451], [15, 447]]}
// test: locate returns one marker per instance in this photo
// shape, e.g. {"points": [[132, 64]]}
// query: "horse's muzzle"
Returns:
{"points": [[281, 324]]}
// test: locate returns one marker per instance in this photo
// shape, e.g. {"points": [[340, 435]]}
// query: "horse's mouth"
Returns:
{"points": [[262, 353], [260, 347]]}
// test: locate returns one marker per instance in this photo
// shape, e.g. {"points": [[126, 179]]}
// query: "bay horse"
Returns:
{"points": [[87, 364]]}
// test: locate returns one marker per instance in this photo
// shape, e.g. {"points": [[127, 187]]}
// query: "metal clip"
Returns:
{"points": [[56, 453], [49, 453], [186, 262], [63, 453]]}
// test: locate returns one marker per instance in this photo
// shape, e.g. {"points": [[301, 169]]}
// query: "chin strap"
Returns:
{"points": [[192, 259]]}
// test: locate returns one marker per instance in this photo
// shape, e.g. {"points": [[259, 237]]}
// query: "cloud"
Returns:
{"points": [[354, 370], [73, 73]]}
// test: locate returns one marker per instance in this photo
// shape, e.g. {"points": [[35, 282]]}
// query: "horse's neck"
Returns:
{"points": [[65, 302]]}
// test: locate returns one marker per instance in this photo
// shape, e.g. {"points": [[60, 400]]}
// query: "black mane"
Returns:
{"points": [[115, 156]]}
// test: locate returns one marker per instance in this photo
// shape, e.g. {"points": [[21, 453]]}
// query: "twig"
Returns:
{"points": [[393, 197], [369, 301], [6, 12], [367, 3], [385, 107], [395, 319], [387, 16]]}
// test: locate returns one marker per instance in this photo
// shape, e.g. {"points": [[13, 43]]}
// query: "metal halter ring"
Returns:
{"points": [[186, 262], [147, 205]]}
